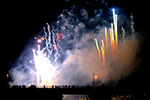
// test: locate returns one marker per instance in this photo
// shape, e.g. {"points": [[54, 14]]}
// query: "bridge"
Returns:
{"points": [[58, 92]]}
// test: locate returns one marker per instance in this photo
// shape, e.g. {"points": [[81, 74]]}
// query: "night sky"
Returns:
{"points": [[20, 21]]}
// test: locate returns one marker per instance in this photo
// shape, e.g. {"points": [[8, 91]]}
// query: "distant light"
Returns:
{"points": [[95, 76], [35, 38], [7, 75]]}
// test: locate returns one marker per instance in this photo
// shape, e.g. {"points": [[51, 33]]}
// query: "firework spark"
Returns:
{"points": [[98, 49], [115, 26], [103, 51], [106, 37], [45, 70]]}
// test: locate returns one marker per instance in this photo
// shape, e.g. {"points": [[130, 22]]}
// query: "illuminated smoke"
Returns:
{"points": [[67, 54]]}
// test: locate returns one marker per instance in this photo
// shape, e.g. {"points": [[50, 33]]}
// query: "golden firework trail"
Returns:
{"points": [[106, 37], [98, 49], [115, 26], [112, 39], [103, 51]]}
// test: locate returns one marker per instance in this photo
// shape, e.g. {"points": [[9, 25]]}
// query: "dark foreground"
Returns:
{"points": [[58, 92]]}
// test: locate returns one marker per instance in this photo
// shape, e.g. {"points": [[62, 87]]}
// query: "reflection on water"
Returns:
{"points": [[75, 97]]}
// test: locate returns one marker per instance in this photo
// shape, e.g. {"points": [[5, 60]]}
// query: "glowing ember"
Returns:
{"points": [[39, 40]]}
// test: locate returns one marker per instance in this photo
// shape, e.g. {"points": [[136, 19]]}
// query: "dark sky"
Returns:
{"points": [[22, 20]]}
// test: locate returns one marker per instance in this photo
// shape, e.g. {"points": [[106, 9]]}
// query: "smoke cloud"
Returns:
{"points": [[78, 58], [80, 64]]}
